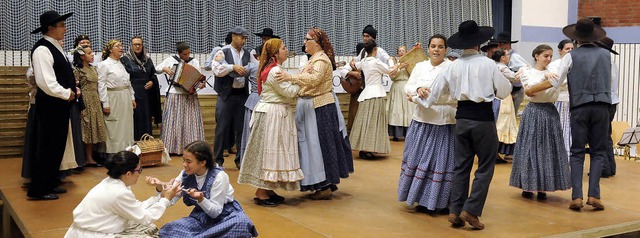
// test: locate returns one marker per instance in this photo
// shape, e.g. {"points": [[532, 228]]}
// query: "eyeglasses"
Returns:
{"points": [[138, 170]]}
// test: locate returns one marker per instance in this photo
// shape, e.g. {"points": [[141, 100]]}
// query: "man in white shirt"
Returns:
{"points": [[474, 81], [57, 92]]}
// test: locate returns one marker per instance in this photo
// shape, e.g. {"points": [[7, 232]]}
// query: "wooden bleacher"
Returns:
{"points": [[14, 103]]}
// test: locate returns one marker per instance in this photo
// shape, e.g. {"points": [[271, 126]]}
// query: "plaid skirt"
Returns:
{"points": [[369, 131], [232, 222]]}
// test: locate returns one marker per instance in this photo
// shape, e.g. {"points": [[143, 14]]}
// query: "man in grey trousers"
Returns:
{"points": [[474, 81]]}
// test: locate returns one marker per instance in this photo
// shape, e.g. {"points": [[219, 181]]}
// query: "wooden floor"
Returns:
{"points": [[365, 206]]}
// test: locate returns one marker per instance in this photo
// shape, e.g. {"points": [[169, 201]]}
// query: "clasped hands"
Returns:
{"points": [[167, 190]]}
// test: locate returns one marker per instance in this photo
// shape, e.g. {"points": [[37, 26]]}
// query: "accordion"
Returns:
{"points": [[187, 77]]}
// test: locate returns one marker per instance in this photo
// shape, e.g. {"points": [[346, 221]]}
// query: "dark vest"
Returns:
{"points": [[189, 181], [54, 106], [589, 78], [222, 85]]}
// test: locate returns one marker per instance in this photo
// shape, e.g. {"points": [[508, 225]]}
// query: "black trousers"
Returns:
{"points": [[229, 120], [609, 164], [589, 124], [473, 138], [49, 144]]}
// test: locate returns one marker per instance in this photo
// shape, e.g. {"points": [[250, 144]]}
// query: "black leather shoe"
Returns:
{"points": [[422, 209], [526, 194], [50, 196], [542, 196], [276, 198], [59, 190], [264, 202], [95, 165]]}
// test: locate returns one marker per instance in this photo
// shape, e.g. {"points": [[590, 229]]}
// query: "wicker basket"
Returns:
{"points": [[151, 150]]}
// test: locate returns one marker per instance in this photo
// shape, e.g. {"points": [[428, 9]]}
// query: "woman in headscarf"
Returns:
{"points": [[271, 160], [317, 120], [145, 84], [117, 97], [399, 109]]}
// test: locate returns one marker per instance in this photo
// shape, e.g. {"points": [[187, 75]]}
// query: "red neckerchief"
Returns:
{"points": [[264, 74]]}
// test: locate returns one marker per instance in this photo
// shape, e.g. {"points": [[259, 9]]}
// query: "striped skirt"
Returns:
{"points": [[271, 160], [182, 122], [565, 123], [540, 161], [427, 165], [369, 131]]}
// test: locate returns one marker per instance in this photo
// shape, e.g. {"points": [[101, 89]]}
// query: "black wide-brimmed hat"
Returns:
{"points": [[491, 44], [504, 37], [266, 32], [584, 30], [469, 35], [607, 43], [50, 18]]}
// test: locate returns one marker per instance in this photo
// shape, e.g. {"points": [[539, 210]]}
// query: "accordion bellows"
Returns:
{"points": [[151, 150], [187, 77]]}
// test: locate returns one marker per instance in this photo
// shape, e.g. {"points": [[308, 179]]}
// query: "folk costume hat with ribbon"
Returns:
{"points": [[504, 37], [469, 35], [50, 18], [585, 31], [267, 32]]}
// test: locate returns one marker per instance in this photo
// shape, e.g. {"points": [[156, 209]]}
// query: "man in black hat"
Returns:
{"points": [[587, 69], [57, 92], [489, 48], [515, 63], [265, 35], [474, 81], [232, 85]]}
